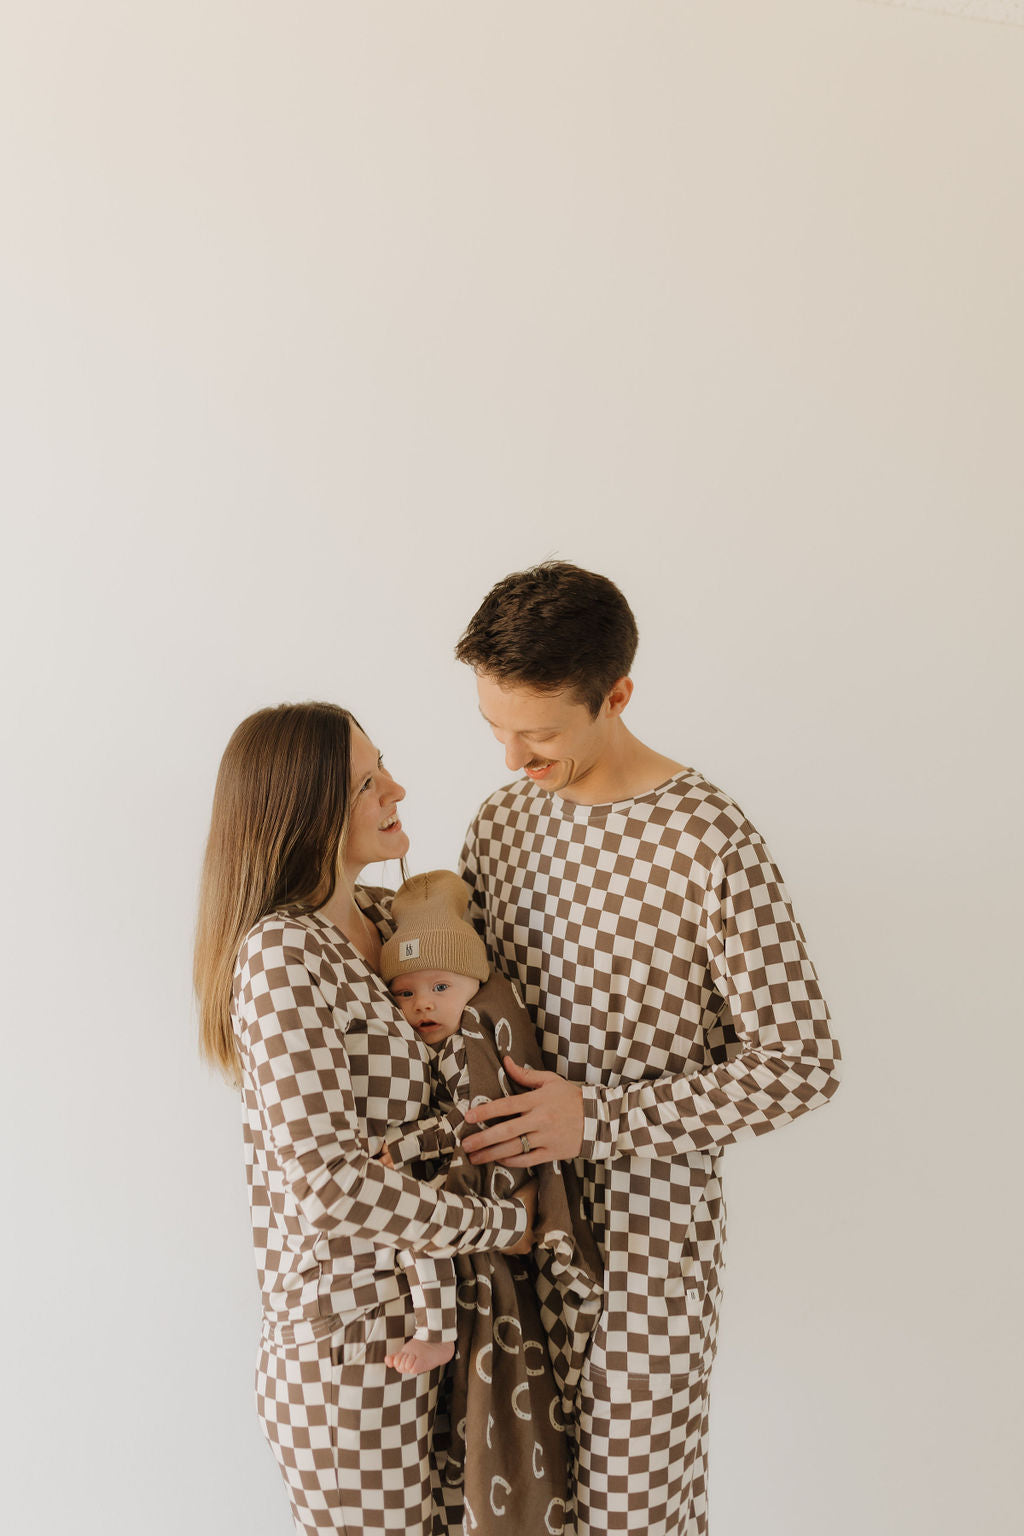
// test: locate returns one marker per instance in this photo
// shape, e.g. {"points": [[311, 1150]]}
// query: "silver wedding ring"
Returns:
{"points": [[526, 1142]]}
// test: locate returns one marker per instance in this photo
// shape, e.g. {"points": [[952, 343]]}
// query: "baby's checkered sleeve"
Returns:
{"points": [[432, 1138], [772, 1051], [293, 1049]]}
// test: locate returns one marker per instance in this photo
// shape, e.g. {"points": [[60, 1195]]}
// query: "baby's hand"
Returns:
{"points": [[384, 1156]]}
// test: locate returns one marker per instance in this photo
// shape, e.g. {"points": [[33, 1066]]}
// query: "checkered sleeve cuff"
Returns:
{"points": [[506, 1225], [521, 1218], [598, 1131], [432, 1138]]}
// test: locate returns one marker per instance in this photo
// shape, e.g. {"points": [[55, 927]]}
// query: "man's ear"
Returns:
{"points": [[618, 696]]}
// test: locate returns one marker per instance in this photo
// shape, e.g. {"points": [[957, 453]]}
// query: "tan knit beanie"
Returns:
{"points": [[433, 933]]}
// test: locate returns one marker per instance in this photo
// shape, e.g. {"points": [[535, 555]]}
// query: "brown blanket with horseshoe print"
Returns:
{"points": [[524, 1323]]}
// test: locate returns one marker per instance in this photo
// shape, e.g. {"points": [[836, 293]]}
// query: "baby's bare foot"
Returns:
{"points": [[419, 1355]]}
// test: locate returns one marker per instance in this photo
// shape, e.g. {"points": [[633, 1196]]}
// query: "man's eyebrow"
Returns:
{"points": [[534, 730]]}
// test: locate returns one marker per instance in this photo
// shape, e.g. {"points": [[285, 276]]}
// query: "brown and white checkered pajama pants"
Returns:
{"points": [[641, 1460], [641, 1416], [351, 1436]]}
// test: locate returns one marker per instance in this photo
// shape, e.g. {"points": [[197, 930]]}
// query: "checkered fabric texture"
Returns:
{"points": [[642, 1463], [330, 1070], [432, 1288], [426, 1140], [351, 1436], [658, 952]]}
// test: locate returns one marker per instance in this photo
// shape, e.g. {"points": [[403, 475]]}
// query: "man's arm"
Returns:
{"points": [[774, 1057]]}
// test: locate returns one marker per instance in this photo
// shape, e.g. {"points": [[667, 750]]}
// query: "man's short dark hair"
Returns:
{"points": [[554, 626]]}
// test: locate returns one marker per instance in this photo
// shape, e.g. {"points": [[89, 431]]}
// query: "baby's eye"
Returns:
{"points": [[440, 986]]}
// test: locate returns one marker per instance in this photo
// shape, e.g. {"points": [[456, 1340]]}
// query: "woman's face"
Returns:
{"points": [[374, 830]]}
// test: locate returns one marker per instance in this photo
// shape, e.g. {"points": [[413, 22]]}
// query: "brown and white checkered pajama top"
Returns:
{"points": [[660, 957], [330, 1067]]}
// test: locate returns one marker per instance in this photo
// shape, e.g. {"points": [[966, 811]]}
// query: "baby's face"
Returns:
{"points": [[433, 1001]]}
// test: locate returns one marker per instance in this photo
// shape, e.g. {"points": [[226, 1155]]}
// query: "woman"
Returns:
{"points": [[292, 1008]]}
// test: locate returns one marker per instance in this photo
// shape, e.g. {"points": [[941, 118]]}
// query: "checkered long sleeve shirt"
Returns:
{"points": [[658, 949], [330, 1068], [658, 952]]}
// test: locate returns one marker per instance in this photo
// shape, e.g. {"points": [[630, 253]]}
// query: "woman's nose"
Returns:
{"points": [[394, 791]]}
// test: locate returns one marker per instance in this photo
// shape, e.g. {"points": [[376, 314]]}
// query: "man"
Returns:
{"points": [[678, 1011]]}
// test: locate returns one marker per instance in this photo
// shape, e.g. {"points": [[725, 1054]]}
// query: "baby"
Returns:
{"points": [[435, 963], [522, 1326]]}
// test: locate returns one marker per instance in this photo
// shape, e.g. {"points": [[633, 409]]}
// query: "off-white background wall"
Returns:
{"points": [[319, 318]]}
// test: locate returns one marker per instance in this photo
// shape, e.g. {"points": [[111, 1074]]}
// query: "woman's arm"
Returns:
{"points": [[294, 1055]]}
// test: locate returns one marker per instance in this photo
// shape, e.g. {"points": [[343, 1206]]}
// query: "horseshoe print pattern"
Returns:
{"points": [[522, 1323]]}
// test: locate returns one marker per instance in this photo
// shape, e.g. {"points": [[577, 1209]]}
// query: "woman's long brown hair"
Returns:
{"points": [[280, 815]]}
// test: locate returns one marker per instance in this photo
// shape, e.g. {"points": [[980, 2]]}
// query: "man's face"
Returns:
{"points": [[433, 1001], [551, 737]]}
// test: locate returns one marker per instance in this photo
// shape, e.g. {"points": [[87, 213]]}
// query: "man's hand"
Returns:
{"points": [[550, 1116]]}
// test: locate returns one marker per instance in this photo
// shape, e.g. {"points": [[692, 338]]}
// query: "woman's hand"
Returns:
{"points": [[384, 1156], [528, 1196]]}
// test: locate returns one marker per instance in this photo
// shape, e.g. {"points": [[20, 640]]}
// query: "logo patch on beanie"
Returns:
{"points": [[408, 949]]}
